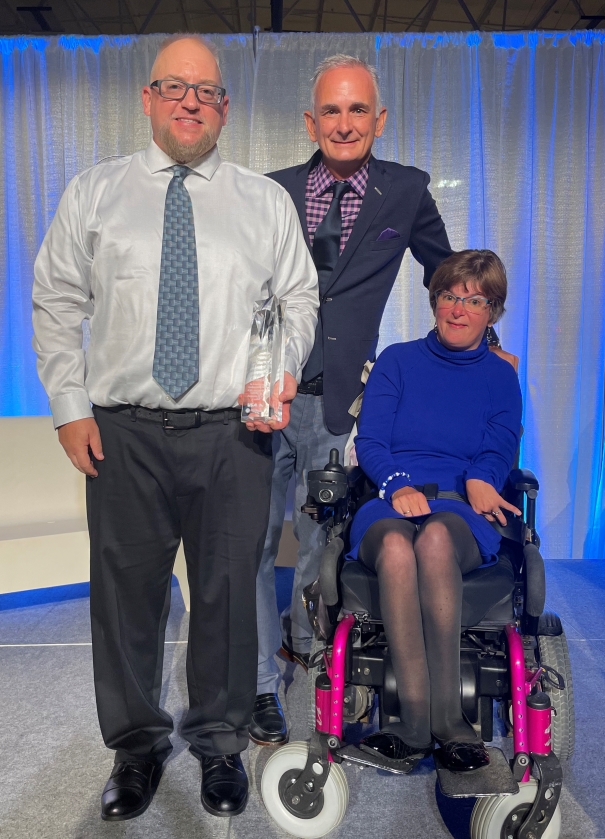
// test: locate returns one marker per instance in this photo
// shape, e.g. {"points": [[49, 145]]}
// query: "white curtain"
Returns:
{"points": [[511, 128]]}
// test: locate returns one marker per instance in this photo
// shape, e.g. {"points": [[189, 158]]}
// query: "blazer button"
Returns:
{"points": [[326, 299]]}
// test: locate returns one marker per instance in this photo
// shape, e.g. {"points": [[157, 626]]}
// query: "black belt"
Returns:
{"points": [[315, 387], [179, 420], [432, 491]]}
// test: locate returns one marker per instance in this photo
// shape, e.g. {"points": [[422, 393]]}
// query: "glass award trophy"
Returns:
{"points": [[265, 366]]}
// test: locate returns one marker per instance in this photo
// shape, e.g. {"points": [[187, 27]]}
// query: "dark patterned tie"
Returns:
{"points": [[177, 340], [326, 250]]}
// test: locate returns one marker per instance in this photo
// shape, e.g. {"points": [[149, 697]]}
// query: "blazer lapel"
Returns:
{"points": [[298, 195], [376, 192]]}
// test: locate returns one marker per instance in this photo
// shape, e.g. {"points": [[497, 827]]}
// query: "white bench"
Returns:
{"points": [[43, 531]]}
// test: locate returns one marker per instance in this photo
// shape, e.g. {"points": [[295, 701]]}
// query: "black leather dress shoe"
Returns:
{"points": [[393, 749], [291, 655], [462, 757], [268, 725], [224, 785], [129, 790]]}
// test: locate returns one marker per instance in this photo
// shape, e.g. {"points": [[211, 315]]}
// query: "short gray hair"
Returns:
{"points": [[343, 60], [187, 36]]}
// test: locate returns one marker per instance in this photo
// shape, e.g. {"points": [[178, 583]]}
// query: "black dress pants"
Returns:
{"points": [[211, 487]]}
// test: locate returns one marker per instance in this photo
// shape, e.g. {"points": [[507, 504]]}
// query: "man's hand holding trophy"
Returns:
{"points": [[268, 389]]}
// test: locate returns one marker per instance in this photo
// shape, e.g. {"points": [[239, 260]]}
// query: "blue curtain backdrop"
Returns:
{"points": [[66, 103], [511, 128]]}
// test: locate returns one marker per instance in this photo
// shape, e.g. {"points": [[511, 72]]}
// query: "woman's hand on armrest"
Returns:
{"points": [[484, 500], [409, 502]]}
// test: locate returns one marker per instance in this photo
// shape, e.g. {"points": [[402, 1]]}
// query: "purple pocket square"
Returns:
{"points": [[389, 233]]}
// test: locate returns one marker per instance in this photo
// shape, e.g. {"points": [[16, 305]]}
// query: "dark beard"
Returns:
{"points": [[182, 153]]}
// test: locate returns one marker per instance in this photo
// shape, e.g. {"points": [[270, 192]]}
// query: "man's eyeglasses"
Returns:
{"points": [[471, 304], [206, 94]]}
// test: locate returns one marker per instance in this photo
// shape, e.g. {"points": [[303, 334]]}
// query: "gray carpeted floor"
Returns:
{"points": [[54, 764]]}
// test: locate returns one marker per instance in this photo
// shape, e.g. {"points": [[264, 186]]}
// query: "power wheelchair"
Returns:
{"points": [[512, 653]]}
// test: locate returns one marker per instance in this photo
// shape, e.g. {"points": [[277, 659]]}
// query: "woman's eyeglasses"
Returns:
{"points": [[476, 303]]}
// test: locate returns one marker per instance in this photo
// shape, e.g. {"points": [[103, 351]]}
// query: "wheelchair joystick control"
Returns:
{"points": [[334, 465], [326, 488]]}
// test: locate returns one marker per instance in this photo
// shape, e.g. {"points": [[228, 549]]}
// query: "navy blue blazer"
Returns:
{"points": [[352, 305]]}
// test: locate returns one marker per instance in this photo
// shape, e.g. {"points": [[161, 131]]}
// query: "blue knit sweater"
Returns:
{"points": [[442, 417]]}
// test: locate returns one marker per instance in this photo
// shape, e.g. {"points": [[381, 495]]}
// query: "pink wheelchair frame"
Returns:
{"points": [[531, 724]]}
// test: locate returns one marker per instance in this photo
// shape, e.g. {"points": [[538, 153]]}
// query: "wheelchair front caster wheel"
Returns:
{"points": [[332, 806], [501, 816]]}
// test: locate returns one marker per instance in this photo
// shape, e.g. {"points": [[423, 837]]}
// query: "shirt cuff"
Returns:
{"points": [[392, 483], [69, 407], [475, 473], [292, 367]]}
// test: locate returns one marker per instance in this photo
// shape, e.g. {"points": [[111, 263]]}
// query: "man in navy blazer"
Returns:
{"points": [[359, 215]]}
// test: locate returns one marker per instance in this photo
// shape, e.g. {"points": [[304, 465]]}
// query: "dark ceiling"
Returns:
{"points": [[115, 17]]}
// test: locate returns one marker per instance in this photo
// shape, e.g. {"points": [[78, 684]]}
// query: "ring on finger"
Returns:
{"points": [[406, 512]]}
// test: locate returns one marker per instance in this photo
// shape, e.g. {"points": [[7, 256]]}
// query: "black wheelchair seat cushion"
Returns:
{"points": [[487, 593]]}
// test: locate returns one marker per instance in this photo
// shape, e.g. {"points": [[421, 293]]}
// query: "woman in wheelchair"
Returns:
{"points": [[443, 415]]}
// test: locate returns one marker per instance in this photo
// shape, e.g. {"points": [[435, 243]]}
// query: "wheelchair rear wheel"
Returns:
{"points": [[292, 759], [498, 816], [554, 653]]}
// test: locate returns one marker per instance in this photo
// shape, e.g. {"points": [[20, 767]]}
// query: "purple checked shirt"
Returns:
{"points": [[318, 196]]}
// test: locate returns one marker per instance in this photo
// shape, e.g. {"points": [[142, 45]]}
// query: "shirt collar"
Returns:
{"points": [[206, 165], [321, 179]]}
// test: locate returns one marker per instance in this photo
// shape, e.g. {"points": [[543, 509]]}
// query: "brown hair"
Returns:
{"points": [[481, 267]]}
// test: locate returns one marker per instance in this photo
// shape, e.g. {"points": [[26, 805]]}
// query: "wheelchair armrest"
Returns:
{"points": [[355, 475], [329, 571], [523, 480], [535, 595]]}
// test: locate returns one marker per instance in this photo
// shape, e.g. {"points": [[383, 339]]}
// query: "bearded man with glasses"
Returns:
{"points": [[166, 252]]}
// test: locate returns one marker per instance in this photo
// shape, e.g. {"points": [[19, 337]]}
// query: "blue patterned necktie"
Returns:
{"points": [[177, 339]]}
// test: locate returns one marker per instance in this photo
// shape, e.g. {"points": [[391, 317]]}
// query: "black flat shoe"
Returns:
{"points": [[129, 790], [224, 785], [291, 655], [462, 757], [393, 750], [268, 725]]}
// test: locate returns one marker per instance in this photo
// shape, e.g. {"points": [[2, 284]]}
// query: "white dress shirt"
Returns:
{"points": [[100, 260]]}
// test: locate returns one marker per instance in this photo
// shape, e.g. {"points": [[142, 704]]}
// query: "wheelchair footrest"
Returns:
{"points": [[494, 779], [377, 761]]}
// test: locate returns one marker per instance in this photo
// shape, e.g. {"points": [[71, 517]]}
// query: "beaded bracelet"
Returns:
{"points": [[390, 478]]}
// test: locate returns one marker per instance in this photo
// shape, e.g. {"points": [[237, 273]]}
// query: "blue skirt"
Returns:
{"points": [[488, 538]]}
